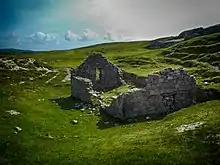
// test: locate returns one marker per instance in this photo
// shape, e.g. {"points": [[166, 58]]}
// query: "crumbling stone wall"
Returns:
{"points": [[109, 75], [164, 92], [133, 79], [81, 88]]}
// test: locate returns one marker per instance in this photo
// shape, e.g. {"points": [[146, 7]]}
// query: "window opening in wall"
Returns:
{"points": [[98, 74]]}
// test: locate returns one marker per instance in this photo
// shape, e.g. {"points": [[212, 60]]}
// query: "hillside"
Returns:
{"points": [[36, 85]]}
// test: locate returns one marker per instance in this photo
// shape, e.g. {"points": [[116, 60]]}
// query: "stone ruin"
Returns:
{"points": [[164, 92], [160, 93], [96, 73]]}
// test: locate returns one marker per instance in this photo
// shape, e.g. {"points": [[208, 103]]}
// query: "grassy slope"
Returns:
{"points": [[153, 142]]}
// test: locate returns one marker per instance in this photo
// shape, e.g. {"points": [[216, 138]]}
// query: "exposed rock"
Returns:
{"points": [[74, 122], [147, 118], [40, 100], [45, 69], [114, 97], [187, 127], [13, 112], [51, 79], [68, 76], [49, 136], [215, 68], [22, 82], [106, 123], [31, 78], [200, 31], [191, 33], [160, 44], [17, 130], [165, 92]]}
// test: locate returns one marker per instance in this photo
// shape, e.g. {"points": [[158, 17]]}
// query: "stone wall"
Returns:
{"points": [[163, 93], [81, 88], [133, 79], [109, 75]]}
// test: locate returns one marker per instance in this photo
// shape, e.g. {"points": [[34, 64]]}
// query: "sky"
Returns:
{"points": [[67, 24]]}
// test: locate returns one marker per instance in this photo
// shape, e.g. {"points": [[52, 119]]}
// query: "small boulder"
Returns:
{"points": [[13, 112], [74, 122], [17, 130]]}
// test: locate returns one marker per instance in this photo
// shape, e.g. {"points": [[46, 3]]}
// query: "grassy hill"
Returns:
{"points": [[31, 84]]}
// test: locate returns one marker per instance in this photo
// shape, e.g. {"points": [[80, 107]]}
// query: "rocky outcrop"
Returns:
{"points": [[196, 32], [103, 74], [160, 44], [200, 31], [191, 33], [164, 92]]}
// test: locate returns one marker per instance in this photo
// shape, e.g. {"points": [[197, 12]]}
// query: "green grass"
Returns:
{"points": [[49, 137]]}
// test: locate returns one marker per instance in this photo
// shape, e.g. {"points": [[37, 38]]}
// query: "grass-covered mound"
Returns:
{"points": [[43, 132], [201, 55]]}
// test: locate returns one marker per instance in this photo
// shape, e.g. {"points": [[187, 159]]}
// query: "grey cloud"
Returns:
{"points": [[149, 18], [108, 37]]}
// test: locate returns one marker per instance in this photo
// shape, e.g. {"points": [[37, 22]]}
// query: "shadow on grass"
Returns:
{"points": [[69, 103], [107, 121]]}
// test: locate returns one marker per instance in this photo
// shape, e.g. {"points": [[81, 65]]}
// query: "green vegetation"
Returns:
{"points": [[109, 96], [49, 137]]}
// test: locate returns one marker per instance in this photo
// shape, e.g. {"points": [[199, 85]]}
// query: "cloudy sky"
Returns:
{"points": [[66, 24]]}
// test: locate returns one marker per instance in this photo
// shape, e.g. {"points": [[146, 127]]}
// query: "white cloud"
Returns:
{"points": [[88, 35], [40, 38], [69, 36]]}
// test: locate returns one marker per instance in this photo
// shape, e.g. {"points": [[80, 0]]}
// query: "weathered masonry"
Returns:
{"points": [[165, 92], [95, 73], [158, 94]]}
